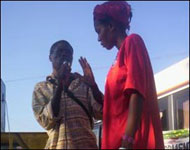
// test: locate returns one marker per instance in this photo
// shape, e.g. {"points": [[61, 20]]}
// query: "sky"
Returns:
{"points": [[28, 29]]}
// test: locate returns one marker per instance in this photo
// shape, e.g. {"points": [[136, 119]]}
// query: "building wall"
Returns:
{"points": [[172, 77], [172, 86]]}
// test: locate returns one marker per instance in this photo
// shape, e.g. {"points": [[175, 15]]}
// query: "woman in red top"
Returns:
{"points": [[130, 114]]}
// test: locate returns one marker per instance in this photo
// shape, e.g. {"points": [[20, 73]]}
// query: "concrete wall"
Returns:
{"points": [[172, 77]]}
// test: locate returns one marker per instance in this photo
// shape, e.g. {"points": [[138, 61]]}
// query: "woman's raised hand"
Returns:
{"points": [[88, 76]]}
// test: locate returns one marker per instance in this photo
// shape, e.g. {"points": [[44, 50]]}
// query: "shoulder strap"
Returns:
{"points": [[71, 95]]}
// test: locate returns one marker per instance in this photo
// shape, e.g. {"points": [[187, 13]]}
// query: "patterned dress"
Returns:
{"points": [[71, 129]]}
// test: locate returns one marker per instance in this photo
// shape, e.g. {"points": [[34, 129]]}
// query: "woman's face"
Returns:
{"points": [[105, 35]]}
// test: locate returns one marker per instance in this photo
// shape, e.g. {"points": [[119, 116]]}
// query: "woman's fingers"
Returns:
{"points": [[86, 68], [88, 74], [87, 64], [82, 65], [89, 67], [84, 61]]}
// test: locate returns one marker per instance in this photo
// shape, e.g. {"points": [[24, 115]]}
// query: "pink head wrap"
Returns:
{"points": [[119, 11]]}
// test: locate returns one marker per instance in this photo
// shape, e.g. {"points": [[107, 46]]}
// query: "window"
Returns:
{"points": [[181, 109], [163, 107]]}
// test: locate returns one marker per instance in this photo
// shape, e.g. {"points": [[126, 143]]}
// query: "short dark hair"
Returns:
{"points": [[61, 44]]}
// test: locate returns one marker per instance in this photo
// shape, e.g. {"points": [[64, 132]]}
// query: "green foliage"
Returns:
{"points": [[182, 133]]}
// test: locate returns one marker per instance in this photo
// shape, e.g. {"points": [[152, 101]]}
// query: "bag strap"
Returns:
{"points": [[71, 95]]}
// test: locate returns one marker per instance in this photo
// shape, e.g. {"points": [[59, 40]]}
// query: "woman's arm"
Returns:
{"points": [[89, 79], [97, 94], [134, 118]]}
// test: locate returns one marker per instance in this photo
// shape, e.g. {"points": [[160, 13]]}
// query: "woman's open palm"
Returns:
{"points": [[88, 76]]}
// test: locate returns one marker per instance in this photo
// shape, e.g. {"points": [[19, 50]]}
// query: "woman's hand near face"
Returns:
{"points": [[88, 77]]}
